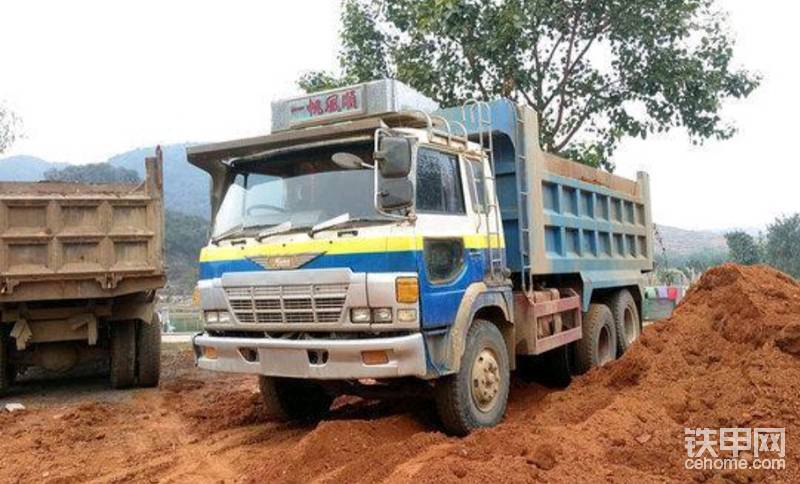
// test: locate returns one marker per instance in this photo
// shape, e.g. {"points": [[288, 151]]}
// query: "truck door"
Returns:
{"points": [[448, 259]]}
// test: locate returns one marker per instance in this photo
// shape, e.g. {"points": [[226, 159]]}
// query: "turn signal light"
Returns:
{"points": [[407, 289], [209, 352], [375, 357]]}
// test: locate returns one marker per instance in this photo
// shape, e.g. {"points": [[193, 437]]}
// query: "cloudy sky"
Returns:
{"points": [[94, 78]]}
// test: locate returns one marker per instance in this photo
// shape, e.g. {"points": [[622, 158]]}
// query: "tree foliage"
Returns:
{"points": [[92, 173], [185, 235], [9, 127], [743, 248], [783, 244], [596, 71]]}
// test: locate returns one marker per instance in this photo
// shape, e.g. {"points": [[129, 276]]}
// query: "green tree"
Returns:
{"points": [[783, 244], [185, 235], [743, 248], [596, 71], [9, 127], [92, 173]]}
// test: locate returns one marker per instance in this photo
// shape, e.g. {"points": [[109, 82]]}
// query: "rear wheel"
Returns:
{"points": [[294, 399], [476, 396], [123, 354], [626, 319], [7, 371], [598, 345], [148, 352]]}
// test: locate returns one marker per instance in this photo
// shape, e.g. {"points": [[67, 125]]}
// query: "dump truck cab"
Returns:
{"points": [[364, 240]]}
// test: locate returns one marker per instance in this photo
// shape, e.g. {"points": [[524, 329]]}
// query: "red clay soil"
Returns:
{"points": [[729, 357]]}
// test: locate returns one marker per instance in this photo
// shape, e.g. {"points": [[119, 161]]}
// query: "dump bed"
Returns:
{"points": [[81, 241], [559, 216]]}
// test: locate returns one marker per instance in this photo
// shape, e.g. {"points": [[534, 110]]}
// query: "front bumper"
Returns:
{"points": [[320, 359]]}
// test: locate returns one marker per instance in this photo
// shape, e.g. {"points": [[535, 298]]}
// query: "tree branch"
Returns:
{"points": [[577, 125]]}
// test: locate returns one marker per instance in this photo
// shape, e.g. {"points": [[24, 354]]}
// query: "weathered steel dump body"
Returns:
{"points": [[79, 268], [561, 217], [80, 241]]}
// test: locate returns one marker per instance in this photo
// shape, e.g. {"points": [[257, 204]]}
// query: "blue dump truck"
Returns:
{"points": [[375, 243]]}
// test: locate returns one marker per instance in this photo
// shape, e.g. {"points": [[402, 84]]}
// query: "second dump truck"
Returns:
{"points": [[375, 241], [80, 265]]}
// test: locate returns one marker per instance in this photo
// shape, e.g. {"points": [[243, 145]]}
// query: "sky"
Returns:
{"points": [[92, 79]]}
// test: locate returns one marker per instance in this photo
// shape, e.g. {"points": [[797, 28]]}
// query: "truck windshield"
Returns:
{"points": [[300, 190]]}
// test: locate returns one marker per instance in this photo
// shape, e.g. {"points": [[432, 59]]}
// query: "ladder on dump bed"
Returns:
{"points": [[479, 114], [523, 204]]}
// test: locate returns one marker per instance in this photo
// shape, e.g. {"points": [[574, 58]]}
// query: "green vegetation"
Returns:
{"points": [[671, 268], [595, 72], [743, 248], [9, 127], [782, 247], [92, 173], [185, 235]]}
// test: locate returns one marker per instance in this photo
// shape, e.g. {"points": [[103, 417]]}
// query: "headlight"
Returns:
{"points": [[360, 315], [406, 315], [217, 317], [382, 315]]}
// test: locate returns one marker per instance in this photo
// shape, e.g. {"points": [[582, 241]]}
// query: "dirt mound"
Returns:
{"points": [[727, 358], [216, 404]]}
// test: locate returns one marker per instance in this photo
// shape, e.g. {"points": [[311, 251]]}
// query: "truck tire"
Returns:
{"points": [[598, 345], [123, 354], [551, 369], [148, 352], [476, 396], [626, 318], [293, 399], [7, 372]]}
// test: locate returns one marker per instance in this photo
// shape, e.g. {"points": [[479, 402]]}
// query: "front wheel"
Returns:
{"points": [[476, 396], [293, 399]]}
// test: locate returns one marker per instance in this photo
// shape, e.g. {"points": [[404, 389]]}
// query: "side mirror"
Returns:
{"points": [[395, 193], [394, 157]]}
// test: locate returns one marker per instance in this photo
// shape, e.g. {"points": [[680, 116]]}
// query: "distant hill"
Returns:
{"points": [[92, 173], [681, 242], [186, 188], [24, 168]]}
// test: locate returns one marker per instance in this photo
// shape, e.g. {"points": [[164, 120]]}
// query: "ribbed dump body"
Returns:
{"points": [[562, 217], [78, 241]]}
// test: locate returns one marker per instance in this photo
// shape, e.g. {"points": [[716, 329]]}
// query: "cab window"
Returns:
{"points": [[438, 183]]}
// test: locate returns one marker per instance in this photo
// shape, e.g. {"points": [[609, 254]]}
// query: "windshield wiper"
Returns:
{"points": [[343, 221], [228, 233], [270, 230], [283, 228]]}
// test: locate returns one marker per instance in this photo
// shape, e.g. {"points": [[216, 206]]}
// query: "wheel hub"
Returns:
{"points": [[631, 328], [604, 354], [485, 379]]}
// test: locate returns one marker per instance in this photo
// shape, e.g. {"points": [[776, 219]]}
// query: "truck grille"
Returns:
{"points": [[295, 304]]}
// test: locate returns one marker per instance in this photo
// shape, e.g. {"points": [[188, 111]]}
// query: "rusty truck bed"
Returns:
{"points": [[81, 241]]}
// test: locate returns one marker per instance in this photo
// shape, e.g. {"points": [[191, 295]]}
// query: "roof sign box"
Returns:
{"points": [[318, 108], [351, 102]]}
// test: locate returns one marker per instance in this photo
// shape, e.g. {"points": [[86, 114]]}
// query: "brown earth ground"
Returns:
{"points": [[729, 357]]}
